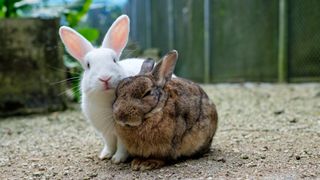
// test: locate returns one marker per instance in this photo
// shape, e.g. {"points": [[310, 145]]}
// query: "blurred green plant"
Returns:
{"points": [[73, 15], [91, 34], [74, 75], [8, 9], [76, 11]]}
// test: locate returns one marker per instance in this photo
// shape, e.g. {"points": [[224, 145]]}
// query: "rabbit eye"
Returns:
{"points": [[147, 93], [88, 65], [114, 60]]}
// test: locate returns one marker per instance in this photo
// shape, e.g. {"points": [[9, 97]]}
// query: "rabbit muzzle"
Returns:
{"points": [[105, 82], [127, 116]]}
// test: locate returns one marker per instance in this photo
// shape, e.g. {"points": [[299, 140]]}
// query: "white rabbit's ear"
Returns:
{"points": [[117, 36], [164, 70], [147, 66], [76, 44]]}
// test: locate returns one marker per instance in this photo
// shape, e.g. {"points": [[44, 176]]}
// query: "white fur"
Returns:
{"points": [[103, 62], [96, 103]]}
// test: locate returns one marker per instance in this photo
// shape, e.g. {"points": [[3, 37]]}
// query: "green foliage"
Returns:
{"points": [[2, 8], [89, 33], [75, 73], [7, 8], [76, 11]]}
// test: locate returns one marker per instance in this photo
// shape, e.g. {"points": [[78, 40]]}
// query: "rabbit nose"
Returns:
{"points": [[105, 81], [120, 114]]}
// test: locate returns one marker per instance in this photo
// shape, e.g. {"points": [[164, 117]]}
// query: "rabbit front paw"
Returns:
{"points": [[119, 157], [105, 153]]}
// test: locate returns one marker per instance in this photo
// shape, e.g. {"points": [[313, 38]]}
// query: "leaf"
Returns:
{"points": [[89, 33], [76, 11], [7, 8]]}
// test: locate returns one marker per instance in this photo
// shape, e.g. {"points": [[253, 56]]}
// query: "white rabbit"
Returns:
{"points": [[102, 72]]}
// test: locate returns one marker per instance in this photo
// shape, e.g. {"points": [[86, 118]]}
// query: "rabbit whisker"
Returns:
{"points": [[65, 80], [63, 93]]}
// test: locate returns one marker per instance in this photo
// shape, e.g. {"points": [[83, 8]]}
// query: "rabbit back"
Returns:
{"points": [[195, 118]]}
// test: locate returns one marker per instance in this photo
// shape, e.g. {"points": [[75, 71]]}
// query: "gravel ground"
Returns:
{"points": [[269, 131]]}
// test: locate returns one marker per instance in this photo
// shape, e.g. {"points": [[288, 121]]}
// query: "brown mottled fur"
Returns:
{"points": [[160, 121]]}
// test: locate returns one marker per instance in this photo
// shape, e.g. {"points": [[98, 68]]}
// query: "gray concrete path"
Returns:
{"points": [[265, 131]]}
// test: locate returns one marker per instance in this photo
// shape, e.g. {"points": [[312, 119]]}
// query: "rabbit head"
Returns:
{"points": [[101, 69], [141, 94]]}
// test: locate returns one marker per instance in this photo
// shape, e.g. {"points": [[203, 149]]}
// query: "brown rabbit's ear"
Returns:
{"points": [[164, 70], [147, 66]]}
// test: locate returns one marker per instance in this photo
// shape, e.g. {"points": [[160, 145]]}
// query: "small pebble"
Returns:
{"points": [[9, 131], [244, 156], [251, 165], [34, 159], [93, 175], [293, 120], [278, 112], [66, 173], [221, 159], [37, 173], [42, 168], [264, 148], [307, 152], [24, 164]]}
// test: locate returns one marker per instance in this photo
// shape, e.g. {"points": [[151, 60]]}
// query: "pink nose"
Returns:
{"points": [[104, 79]]}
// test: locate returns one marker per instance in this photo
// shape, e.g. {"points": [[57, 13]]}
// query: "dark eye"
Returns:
{"points": [[88, 65], [114, 60], [147, 93]]}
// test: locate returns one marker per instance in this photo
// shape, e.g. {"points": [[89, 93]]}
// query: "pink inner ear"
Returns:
{"points": [[119, 37], [77, 46]]}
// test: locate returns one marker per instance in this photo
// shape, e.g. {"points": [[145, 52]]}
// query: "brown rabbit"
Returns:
{"points": [[161, 119]]}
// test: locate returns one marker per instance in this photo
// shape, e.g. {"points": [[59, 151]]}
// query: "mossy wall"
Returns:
{"points": [[30, 62]]}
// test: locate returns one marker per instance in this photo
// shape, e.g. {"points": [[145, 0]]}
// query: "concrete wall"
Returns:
{"points": [[30, 61]]}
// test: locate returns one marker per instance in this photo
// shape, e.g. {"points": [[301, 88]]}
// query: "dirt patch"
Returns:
{"points": [[270, 131]]}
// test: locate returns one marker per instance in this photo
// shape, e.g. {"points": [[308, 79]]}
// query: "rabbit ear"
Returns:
{"points": [[117, 36], [147, 66], [164, 70], [76, 44]]}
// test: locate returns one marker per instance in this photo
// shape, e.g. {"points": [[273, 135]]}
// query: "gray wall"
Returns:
{"points": [[30, 62]]}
